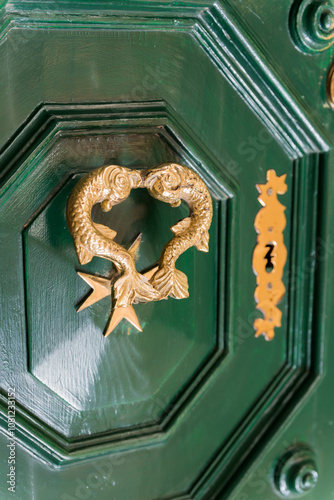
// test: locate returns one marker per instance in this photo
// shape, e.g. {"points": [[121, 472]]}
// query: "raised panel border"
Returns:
{"points": [[213, 27]]}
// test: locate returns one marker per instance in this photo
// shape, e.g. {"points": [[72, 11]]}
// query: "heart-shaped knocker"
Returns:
{"points": [[112, 184]]}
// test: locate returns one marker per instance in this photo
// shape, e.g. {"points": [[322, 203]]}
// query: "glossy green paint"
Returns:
{"points": [[93, 381], [194, 406]]}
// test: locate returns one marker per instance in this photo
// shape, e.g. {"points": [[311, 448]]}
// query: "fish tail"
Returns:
{"points": [[171, 282], [132, 288]]}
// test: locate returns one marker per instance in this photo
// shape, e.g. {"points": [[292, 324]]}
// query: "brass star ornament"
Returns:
{"points": [[103, 287]]}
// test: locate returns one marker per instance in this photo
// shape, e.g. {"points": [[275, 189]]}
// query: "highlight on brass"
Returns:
{"points": [[330, 86], [269, 255], [112, 184]]}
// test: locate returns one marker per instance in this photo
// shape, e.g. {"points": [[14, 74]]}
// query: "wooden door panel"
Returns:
{"points": [[177, 410]]}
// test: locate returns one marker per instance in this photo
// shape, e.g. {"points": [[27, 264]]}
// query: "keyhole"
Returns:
{"points": [[269, 257]]}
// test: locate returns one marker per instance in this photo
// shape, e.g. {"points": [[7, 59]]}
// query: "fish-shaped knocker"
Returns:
{"points": [[112, 184], [173, 183]]}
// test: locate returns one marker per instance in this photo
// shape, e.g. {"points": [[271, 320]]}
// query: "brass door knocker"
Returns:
{"points": [[110, 185]]}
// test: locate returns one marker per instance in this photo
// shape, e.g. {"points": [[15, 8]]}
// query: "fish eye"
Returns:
{"points": [[169, 178]]}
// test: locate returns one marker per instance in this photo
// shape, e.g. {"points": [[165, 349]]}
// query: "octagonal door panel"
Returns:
{"points": [[178, 410]]}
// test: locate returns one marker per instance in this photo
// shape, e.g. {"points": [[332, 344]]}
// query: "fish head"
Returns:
{"points": [[165, 183], [117, 184]]}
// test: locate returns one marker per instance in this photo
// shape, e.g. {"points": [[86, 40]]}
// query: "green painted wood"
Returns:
{"points": [[194, 407]]}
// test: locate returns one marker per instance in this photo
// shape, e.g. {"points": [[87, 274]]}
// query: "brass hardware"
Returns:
{"points": [[269, 254], [173, 183], [110, 185], [330, 86], [102, 287]]}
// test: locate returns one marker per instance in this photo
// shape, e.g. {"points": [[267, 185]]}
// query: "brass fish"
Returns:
{"points": [[109, 185], [173, 183]]}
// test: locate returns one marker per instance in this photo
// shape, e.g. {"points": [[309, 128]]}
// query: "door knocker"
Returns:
{"points": [[111, 185]]}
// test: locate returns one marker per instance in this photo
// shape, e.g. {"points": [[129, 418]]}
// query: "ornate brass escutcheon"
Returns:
{"points": [[269, 255], [111, 185]]}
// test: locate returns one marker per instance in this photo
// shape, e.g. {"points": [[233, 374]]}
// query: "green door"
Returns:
{"points": [[195, 406]]}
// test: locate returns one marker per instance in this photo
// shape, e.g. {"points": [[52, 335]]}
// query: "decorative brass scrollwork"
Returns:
{"points": [[110, 185], [269, 255]]}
